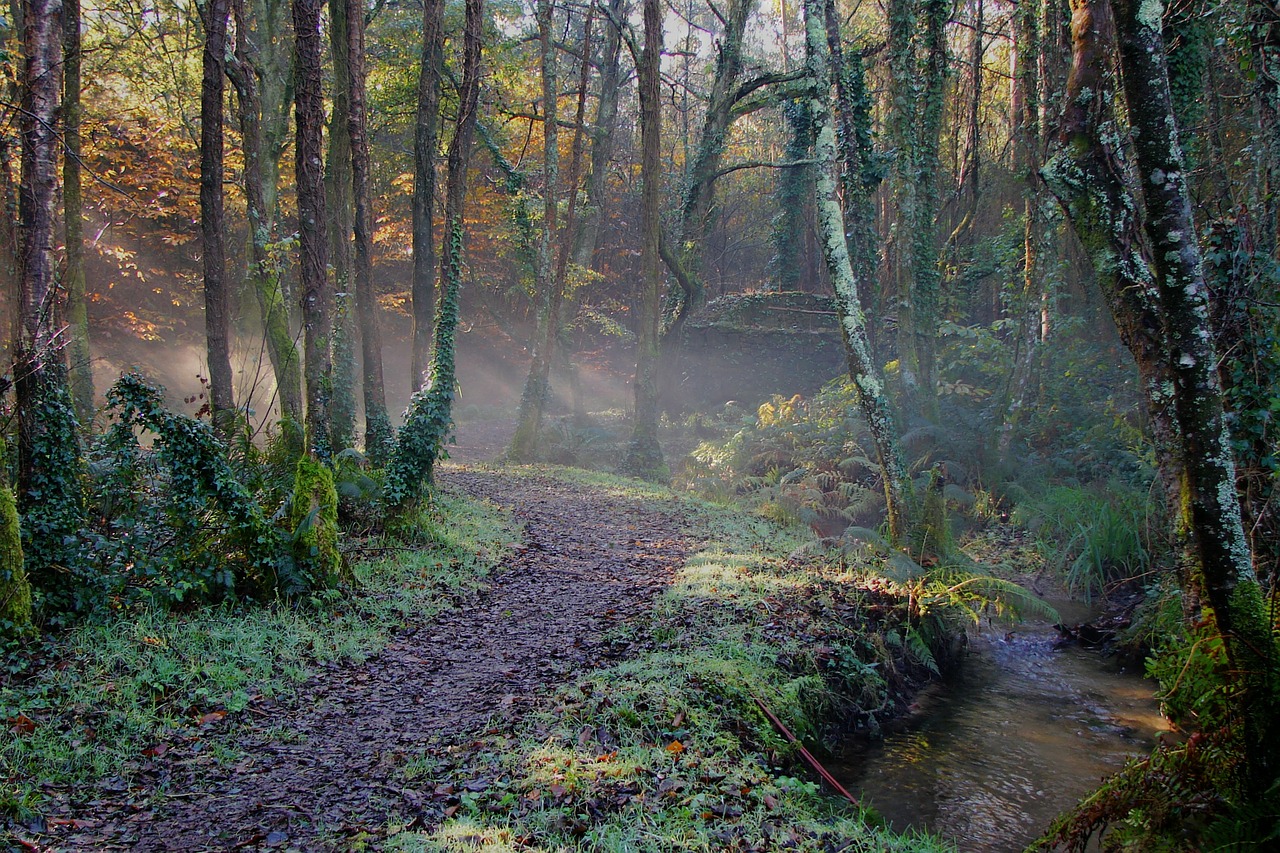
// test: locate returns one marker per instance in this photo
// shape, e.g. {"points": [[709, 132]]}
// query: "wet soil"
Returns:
{"points": [[328, 764]]}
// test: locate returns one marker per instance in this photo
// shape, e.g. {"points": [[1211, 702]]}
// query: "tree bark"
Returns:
{"points": [[377, 431], [340, 206], [217, 301], [644, 453], [835, 250], [264, 272], [426, 144], [80, 364], [588, 239], [317, 299]]}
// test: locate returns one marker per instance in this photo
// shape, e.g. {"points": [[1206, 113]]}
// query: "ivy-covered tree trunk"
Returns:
{"points": [[1150, 251], [377, 426], [340, 207], [217, 300], [79, 359], [835, 250], [49, 461], [644, 453], [317, 299], [426, 144], [264, 271], [550, 286], [429, 418]]}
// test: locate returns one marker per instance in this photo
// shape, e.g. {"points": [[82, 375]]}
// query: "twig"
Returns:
{"points": [[804, 753]]}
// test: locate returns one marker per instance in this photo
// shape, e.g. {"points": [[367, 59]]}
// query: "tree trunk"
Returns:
{"points": [[550, 286], [420, 444], [588, 239], [264, 272], [49, 460], [835, 250], [338, 183], [377, 430], [426, 144], [317, 300], [79, 359], [644, 454], [217, 301]]}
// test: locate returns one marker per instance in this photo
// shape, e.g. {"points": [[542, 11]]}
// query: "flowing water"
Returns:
{"points": [[1020, 734]]}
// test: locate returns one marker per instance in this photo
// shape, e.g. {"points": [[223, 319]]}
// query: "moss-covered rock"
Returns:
{"points": [[15, 590], [314, 518]]}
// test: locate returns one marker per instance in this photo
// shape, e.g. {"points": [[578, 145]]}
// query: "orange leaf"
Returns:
{"points": [[608, 756], [675, 747], [212, 717], [22, 724]]}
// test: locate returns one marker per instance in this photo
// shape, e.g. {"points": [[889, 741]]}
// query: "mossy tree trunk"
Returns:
{"points": [[644, 453], [426, 145], [264, 271], [377, 430], [317, 299], [862, 370], [1161, 263], [420, 443]]}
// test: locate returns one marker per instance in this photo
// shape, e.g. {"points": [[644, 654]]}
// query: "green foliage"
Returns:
{"points": [[200, 476], [429, 418], [52, 501], [314, 518], [15, 590]]}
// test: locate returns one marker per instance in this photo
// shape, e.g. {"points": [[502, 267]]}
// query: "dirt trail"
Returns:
{"points": [[332, 762]]}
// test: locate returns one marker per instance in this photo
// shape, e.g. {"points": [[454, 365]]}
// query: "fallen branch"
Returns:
{"points": [[808, 756]]}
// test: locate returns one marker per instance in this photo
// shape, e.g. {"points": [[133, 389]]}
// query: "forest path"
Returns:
{"points": [[329, 766]]}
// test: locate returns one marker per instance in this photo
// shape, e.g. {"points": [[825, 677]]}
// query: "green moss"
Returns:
{"points": [[15, 591], [314, 518]]}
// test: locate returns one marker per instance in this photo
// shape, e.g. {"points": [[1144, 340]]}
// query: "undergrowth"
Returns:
{"points": [[668, 749], [84, 709]]}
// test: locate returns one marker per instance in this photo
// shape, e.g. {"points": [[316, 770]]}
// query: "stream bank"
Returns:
{"points": [[1019, 733]]}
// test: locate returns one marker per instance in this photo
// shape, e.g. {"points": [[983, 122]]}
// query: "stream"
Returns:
{"points": [[1018, 735]]}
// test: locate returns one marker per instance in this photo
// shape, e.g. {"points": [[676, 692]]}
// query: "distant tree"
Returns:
{"points": [[377, 432], [426, 144], [644, 453], [79, 359]]}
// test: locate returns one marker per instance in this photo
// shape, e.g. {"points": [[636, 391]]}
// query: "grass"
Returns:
{"points": [[108, 691], [668, 749]]}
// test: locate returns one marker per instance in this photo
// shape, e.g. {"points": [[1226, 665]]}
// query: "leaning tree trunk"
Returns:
{"points": [[426, 142], [420, 444], [49, 461], [217, 301], [79, 361], [317, 300], [377, 426], [835, 250], [644, 454]]}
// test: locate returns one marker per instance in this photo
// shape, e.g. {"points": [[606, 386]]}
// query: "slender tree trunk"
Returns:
{"points": [[644, 454], [264, 272], [537, 386], [338, 182], [317, 300], [835, 250], [794, 187], [48, 439], [377, 430], [588, 239], [420, 444], [79, 358], [426, 144], [217, 301]]}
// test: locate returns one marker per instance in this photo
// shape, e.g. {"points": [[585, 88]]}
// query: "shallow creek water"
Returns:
{"points": [[1020, 734]]}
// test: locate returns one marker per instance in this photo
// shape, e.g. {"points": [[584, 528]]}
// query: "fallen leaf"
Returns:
{"points": [[451, 811], [675, 747], [157, 750], [678, 720], [22, 724], [608, 756], [211, 717]]}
